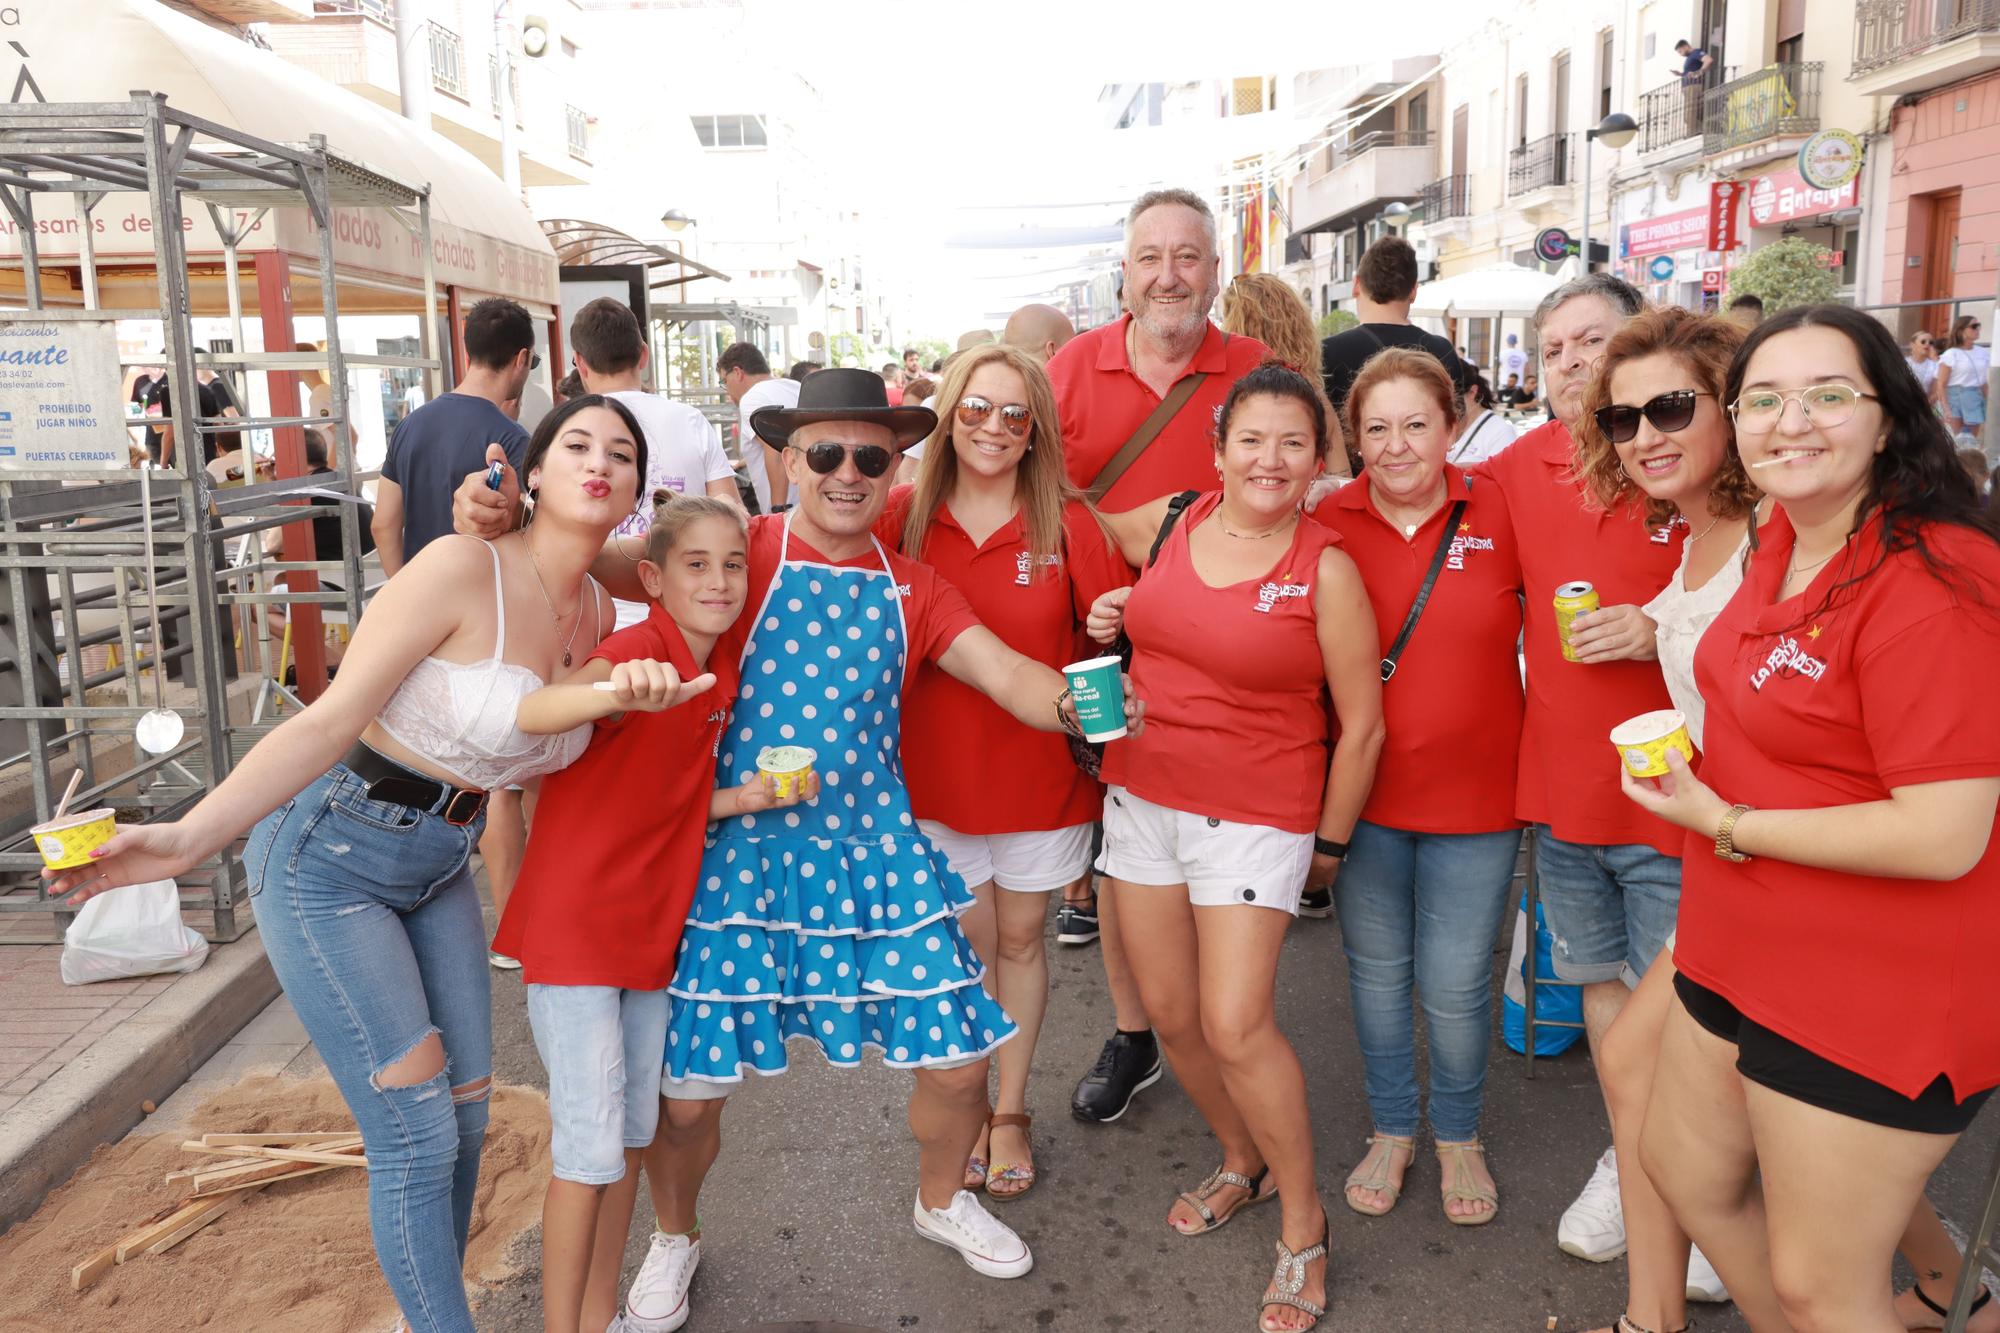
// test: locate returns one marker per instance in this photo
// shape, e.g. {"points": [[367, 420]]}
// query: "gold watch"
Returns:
{"points": [[1725, 835]]}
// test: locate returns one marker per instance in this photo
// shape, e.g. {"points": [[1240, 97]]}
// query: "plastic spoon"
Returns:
{"points": [[161, 728]]}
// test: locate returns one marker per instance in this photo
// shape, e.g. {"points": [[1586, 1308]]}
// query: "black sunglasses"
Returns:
{"points": [[1669, 412], [870, 460]]}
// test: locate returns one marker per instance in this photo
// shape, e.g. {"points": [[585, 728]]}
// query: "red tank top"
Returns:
{"points": [[1234, 684]]}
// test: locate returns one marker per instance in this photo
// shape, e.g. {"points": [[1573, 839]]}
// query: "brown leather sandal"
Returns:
{"points": [[1018, 1175]]}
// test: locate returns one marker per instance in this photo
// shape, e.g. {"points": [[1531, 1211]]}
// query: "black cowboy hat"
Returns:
{"points": [[843, 394]]}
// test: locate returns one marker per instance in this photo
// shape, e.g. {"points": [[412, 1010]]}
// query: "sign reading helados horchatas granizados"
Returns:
{"points": [[59, 396]]}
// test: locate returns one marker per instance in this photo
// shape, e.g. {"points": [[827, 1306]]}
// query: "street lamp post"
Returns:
{"points": [[1617, 130]]}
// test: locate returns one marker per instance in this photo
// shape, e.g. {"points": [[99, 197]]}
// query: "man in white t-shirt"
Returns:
{"points": [[683, 449], [1513, 361], [747, 379]]}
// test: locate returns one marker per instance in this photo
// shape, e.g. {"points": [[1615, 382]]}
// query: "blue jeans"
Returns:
{"points": [[372, 923], [1424, 908], [1609, 909]]}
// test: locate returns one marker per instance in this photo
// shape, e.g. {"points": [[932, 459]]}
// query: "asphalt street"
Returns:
{"points": [[806, 1217]]}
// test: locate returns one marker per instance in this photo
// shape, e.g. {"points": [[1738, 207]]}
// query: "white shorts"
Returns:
{"points": [[1221, 861], [1021, 862]]}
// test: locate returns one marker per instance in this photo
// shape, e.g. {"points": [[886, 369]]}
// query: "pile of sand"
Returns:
{"points": [[292, 1256]]}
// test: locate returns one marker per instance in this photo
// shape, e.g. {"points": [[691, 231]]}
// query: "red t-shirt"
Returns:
{"points": [[1102, 402], [1234, 684], [1889, 978], [1453, 708], [615, 844], [934, 612], [1568, 770], [955, 739]]}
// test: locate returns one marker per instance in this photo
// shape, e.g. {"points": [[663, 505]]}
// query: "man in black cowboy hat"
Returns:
{"points": [[844, 888]]}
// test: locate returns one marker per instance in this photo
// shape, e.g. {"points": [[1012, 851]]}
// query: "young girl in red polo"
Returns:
{"points": [[992, 511], [1834, 1032], [596, 915]]}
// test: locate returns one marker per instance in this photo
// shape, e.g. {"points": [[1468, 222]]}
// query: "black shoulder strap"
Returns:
{"points": [[1174, 508], [1424, 593]]}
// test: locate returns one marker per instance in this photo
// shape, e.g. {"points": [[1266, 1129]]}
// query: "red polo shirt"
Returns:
{"points": [[1568, 771], [1102, 402], [1453, 708], [610, 869], [1810, 708], [970, 764]]}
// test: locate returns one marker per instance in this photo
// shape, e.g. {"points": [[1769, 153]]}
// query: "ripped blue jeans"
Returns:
{"points": [[371, 921]]}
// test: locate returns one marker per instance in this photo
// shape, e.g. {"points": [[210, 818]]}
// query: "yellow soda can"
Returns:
{"points": [[1572, 600]]}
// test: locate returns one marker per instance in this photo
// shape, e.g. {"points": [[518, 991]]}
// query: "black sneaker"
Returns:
{"points": [[1316, 903], [1076, 921], [1129, 1062]]}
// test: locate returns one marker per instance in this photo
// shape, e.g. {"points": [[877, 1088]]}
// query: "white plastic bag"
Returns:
{"points": [[130, 932]]}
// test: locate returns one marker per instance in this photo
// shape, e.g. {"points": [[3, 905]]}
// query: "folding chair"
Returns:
{"points": [[1980, 1256]]}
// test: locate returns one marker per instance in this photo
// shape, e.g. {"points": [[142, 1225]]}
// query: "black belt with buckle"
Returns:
{"points": [[390, 781]]}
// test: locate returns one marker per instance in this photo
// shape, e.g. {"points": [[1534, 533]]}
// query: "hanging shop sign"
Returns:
{"points": [[1711, 280], [1722, 214], [1661, 269], [59, 401], [1553, 245], [1830, 159]]}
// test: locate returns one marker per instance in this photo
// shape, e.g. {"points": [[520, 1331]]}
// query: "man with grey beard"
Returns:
{"points": [[1139, 399]]}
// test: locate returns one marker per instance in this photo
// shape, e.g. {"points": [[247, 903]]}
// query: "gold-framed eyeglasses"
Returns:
{"points": [[1758, 411]]}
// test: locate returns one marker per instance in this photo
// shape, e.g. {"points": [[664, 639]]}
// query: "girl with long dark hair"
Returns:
{"points": [[1833, 1034], [367, 806]]}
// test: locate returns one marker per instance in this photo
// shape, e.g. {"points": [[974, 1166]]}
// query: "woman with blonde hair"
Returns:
{"points": [[993, 512], [1264, 306]]}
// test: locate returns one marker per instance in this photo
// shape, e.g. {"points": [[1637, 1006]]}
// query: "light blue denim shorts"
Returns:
{"points": [[603, 1049]]}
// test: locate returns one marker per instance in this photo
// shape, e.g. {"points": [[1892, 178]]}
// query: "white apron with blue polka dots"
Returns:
{"points": [[834, 922]]}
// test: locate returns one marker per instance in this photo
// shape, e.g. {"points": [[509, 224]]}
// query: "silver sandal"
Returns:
{"points": [[1198, 1197], [1289, 1279]]}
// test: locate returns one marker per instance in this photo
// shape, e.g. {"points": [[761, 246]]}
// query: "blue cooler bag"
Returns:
{"points": [[1552, 1002]]}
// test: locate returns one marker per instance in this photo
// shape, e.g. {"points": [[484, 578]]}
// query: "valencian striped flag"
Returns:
{"points": [[1253, 234]]}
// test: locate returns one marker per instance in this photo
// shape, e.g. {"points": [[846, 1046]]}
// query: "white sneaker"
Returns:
{"points": [[1704, 1283], [1594, 1226], [987, 1244], [658, 1299]]}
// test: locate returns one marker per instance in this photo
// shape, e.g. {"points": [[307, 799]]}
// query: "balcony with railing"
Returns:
{"points": [[1545, 164], [384, 10], [1450, 197], [447, 61], [1906, 46], [578, 125], [1672, 113], [1776, 101], [1369, 169]]}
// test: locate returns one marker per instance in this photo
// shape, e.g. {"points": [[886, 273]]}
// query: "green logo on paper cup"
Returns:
{"points": [[1097, 688]]}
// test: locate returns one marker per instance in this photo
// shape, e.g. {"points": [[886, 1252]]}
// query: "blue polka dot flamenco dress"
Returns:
{"points": [[834, 922]]}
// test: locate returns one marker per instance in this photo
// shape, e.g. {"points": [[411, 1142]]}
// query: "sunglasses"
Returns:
{"points": [[1016, 419], [1669, 412], [870, 460]]}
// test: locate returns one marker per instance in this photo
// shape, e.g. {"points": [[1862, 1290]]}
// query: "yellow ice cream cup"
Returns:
{"points": [[69, 841], [787, 766], [1643, 741]]}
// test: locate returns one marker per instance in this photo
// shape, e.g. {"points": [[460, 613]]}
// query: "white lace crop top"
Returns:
{"points": [[1683, 617], [460, 716]]}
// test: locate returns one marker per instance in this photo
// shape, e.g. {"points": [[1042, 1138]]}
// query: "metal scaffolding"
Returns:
{"points": [[71, 547]]}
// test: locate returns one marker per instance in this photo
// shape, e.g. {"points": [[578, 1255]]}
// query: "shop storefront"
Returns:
{"points": [[1782, 203]]}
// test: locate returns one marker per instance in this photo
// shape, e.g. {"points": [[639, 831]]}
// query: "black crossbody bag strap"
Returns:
{"points": [[1395, 652]]}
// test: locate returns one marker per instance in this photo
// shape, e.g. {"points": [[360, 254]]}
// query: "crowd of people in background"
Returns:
{"points": [[777, 689]]}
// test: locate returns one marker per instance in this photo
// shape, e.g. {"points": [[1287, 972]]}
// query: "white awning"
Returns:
{"points": [[483, 238], [1496, 290]]}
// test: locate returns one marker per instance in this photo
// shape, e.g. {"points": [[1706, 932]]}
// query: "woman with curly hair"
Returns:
{"points": [[1264, 306], [1654, 430], [1810, 1077]]}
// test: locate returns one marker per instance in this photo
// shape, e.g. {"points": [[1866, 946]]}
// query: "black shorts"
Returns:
{"points": [[1784, 1066]]}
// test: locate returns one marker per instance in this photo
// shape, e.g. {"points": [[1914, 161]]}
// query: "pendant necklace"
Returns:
{"points": [[536, 562]]}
